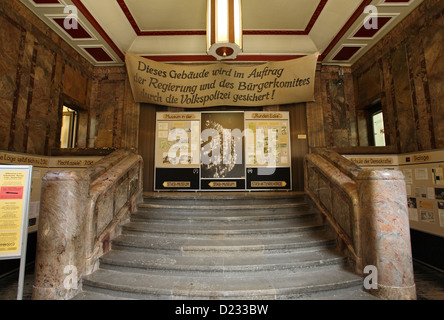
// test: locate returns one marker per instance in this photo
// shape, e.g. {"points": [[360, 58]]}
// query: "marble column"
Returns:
{"points": [[386, 233], [60, 258]]}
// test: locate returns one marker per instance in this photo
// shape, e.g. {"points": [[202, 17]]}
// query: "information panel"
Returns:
{"points": [[222, 165], [220, 151], [177, 151], [268, 150], [14, 205]]}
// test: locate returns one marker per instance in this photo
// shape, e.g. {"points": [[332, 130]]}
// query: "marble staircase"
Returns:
{"points": [[224, 246]]}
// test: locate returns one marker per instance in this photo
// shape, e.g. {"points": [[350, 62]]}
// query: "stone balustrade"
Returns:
{"points": [[368, 210], [80, 213]]}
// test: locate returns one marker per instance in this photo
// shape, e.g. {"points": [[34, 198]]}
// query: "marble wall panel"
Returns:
{"points": [[54, 109], [369, 86], [388, 104], [325, 193], [341, 212], [10, 41], [108, 109], [420, 94], [331, 118], [403, 100], [434, 61], [19, 124], [75, 89], [313, 180], [133, 181], [121, 197], [37, 113], [105, 211]]}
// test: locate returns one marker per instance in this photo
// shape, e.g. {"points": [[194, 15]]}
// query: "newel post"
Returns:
{"points": [[385, 232], [60, 258]]}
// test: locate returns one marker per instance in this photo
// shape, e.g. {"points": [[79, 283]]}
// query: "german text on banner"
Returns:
{"points": [[192, 86]]}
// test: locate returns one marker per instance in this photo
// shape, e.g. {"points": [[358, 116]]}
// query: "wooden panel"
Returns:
{"points": [[299, 143], [147, 126], [315, 120]]}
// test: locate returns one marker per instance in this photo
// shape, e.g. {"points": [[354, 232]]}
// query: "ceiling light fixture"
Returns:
{"points": [[224, 28]]}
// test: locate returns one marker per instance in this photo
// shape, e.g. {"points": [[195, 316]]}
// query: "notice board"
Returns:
{"points": [[222, 151], [15, 190]]}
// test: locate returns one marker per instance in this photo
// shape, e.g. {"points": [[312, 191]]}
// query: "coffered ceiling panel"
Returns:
{"points": [[174, 30]]}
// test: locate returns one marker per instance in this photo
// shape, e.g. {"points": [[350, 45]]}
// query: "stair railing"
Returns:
{"points": [[80, 213], [368, 210]]}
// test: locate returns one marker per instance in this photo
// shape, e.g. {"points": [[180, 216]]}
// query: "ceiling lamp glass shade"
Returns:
{"points": [[224, 28]]}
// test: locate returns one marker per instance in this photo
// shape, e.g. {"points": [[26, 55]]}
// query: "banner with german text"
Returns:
{"points": [[222, 84]]}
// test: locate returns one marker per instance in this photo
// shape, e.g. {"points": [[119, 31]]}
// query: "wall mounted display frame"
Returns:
{"points": [[177, 155], [222, 151]]}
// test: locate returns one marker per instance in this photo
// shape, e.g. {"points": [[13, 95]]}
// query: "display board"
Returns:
{"points": [[177, 156], [219, 151], [15, 190], [14, 205], [424, 177], [268, 150], [222, 152]]}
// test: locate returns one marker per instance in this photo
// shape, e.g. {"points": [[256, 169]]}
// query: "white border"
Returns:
{"points": [[79, 21], [347, 45], [48, 5], [393, 17], [382, 3], [98, 46]]}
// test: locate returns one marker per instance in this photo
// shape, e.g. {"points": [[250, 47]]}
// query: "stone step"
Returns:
{"points": [[223, 244], [220, 206], [155, 286], [225, 196], [225, 209], [348, 294], [260, 229], [235, 246], [227, 216], [218, 265]]}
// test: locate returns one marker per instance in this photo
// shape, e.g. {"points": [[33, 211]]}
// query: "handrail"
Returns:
{"points": [[332, 178], [80, 213], [368, 210]]}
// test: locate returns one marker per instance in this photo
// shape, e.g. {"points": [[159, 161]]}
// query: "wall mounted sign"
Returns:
{"points": [[211, 151], [190, 86]]}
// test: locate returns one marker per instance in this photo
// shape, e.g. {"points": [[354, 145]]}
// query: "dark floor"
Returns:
{"points": [[429, 284]]}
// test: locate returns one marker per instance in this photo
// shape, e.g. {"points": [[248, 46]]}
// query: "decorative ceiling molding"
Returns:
{"points": [[140, 32], [335, 28]]}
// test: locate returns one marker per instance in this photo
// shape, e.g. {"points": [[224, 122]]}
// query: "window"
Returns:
{"points": [[68, 135], [378, 129], [375, 124]]}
